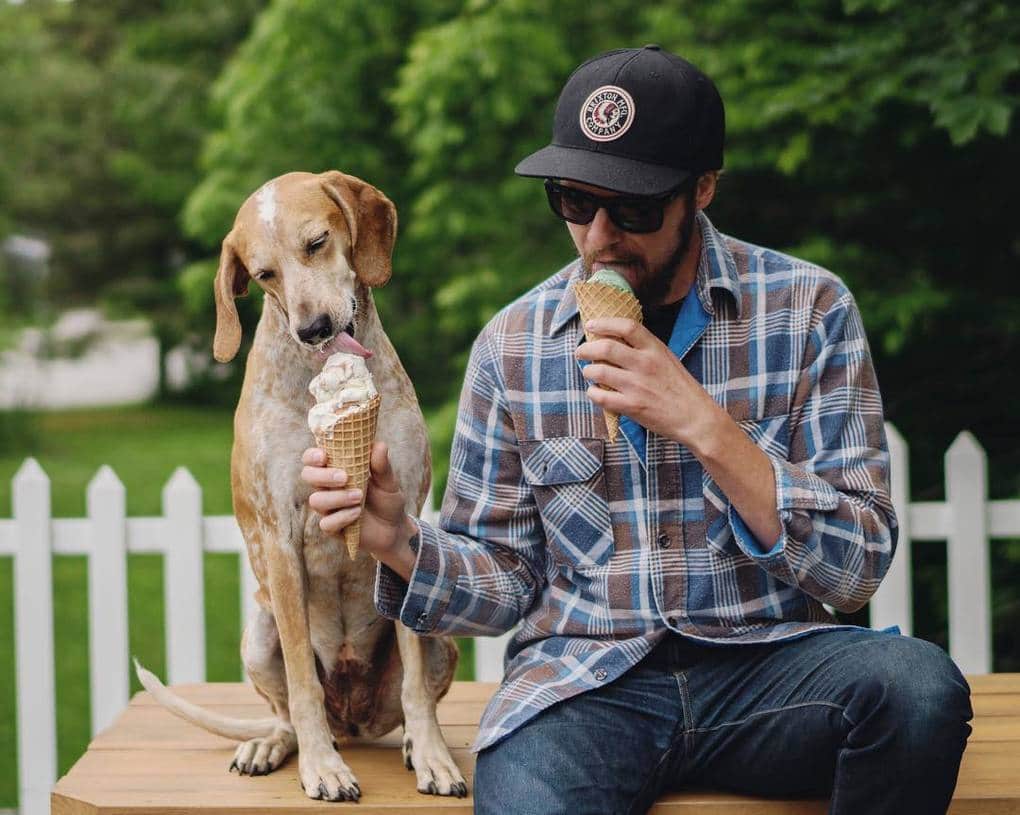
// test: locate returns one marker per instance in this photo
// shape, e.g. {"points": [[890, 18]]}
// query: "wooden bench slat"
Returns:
{"points": [[157, 729], [149, 760], [994, 683]]}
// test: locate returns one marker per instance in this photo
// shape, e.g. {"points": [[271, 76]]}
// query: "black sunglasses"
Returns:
{"points": [[631, 213]]}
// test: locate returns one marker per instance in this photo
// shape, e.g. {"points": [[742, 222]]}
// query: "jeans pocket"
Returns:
{"points": [[771, 434], [566, 477]]}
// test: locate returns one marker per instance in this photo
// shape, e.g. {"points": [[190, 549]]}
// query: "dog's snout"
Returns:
{"points": [[321, 328]]}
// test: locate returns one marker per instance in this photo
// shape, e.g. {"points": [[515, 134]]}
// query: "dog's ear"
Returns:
{"points": [[231, 281], [372, 221]]}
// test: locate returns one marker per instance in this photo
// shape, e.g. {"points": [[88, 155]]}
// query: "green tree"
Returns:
{"points": [[308, 91], [105, 106]]}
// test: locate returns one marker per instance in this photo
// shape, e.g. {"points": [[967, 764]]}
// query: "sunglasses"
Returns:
{"points": [[631, 213]]}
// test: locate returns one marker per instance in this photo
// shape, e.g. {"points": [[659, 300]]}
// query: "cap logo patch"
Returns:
{"points": [[607, 113]]}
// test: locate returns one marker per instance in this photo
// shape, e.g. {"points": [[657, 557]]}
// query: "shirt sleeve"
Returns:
{"points": [[839, 528], [481, 568]]}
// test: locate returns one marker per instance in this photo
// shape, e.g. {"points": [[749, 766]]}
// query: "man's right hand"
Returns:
{"points": [[385, 526]]}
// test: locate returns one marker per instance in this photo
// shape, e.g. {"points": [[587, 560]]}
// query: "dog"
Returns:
{"points": [[316, 649]]}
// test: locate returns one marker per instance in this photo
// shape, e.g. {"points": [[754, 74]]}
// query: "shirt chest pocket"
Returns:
{"points": [[566, 477], [772, 436]]}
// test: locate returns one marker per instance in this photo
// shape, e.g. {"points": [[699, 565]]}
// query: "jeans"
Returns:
{"points": [[876, 722]]}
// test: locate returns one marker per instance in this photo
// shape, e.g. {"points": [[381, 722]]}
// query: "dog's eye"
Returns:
{"points": [[265, 274], [316, 243]]}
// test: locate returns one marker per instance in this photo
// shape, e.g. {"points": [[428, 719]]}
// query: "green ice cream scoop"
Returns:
{"points": [[609, 277]]}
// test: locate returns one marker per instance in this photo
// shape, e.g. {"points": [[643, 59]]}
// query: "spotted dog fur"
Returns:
{"points": [[315, 648]]}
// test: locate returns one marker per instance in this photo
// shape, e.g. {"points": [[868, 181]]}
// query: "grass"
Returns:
{"points": [[143, 445]]}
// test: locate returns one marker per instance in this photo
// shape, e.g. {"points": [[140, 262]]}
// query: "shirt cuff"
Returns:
{"points": [[796, 489], [390, 587], [420, 603], [747, 540]]}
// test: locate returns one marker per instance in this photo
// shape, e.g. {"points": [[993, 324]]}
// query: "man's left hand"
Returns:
{"points": [[650, 385]]}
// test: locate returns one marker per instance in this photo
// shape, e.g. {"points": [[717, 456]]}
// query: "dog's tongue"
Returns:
{"points": [[346, 343]]}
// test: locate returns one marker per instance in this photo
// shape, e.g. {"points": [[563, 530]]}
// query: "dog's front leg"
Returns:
{"points": [[425, 750], [323, 772]]}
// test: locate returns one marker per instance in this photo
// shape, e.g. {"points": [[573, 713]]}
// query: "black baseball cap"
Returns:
{"points": [[637, 121]]}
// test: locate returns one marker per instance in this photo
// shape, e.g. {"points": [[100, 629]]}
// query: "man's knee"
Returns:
{"points": [[919, 692]]}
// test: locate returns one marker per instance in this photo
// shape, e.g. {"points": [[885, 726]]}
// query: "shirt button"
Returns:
{"points": [[423, 618], [664, 540], [673, 621], [600, 674]]}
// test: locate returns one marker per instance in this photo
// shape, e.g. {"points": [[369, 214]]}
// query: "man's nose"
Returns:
{"points": [[602, 231], [320, 328]]}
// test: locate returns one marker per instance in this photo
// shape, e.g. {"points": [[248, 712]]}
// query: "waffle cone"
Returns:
{"points": [[348, 445], [600, 300]]}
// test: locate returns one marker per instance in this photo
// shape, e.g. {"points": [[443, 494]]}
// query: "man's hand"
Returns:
{"points": [[650, 385], [385, 526], [655, 389]]}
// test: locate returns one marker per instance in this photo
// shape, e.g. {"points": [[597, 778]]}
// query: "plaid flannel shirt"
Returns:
{"points": [[600, 550]]}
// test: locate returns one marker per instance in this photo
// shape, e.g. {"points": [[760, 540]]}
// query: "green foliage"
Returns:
{"points": [[302, 93], [19, 432], [104, 107]]}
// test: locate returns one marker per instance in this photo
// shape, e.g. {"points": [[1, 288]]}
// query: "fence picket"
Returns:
{"points": [[489, 652], [33, 627], [182, 579], [108, 615], [892, 603], [970, 624]]}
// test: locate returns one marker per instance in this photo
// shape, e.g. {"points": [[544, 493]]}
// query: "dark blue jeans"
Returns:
{"points": [[875, 721]]}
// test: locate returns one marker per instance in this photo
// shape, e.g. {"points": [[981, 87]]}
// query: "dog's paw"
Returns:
{"points": [[262, 756], [436, 771], [325, 776]]}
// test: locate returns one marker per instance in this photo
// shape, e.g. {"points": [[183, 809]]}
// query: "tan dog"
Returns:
{"points": [[316, 649]]}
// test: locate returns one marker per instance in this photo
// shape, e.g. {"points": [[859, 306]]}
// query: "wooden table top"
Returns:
{"points": [[150, 761]]}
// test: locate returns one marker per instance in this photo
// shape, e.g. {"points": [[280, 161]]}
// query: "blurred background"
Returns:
{"points": [[874, 137]]}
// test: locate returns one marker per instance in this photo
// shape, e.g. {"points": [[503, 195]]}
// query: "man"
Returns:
{"points": [[672, 588]]}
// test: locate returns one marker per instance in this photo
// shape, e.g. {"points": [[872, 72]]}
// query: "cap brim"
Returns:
{"points": [[623, 175]]}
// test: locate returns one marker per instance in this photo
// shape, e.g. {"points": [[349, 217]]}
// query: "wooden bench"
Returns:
{"points": [[150, 761]]}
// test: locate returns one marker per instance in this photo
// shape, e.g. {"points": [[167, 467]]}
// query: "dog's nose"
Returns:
{"points": [[320, 328]]}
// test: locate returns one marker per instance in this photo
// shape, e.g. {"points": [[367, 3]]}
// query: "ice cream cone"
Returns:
{"points": [[600, 300], [348, 445]]}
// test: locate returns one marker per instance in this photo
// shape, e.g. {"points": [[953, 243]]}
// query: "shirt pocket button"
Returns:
{"points": [[664, 540], [600, 674]]}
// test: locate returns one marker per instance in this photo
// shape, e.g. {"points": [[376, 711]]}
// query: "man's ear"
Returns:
{"points": [[231, 281], [705, 189], [372, 221]]}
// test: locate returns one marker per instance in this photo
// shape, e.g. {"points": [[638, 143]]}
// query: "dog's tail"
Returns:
{"points": [[239, 729]]}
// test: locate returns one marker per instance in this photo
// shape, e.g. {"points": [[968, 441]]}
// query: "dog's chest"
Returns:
{"points": [[325, 555]]}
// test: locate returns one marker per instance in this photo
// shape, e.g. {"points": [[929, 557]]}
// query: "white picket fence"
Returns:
{"points": [[967, 520]]}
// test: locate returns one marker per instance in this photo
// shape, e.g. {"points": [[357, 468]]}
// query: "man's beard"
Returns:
{"points": [[654, 284]]}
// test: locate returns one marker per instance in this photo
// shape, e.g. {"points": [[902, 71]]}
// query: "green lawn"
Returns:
{"points": [[143, 445]]}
